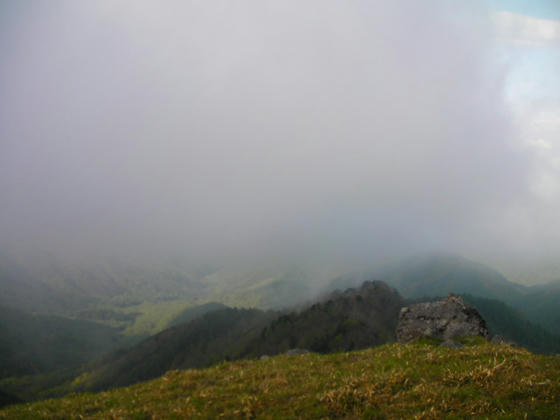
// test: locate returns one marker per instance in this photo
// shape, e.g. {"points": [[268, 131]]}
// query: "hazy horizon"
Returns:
{"points": [[280, 130]]}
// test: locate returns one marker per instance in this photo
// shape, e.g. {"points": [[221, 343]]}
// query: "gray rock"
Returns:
{"points": [[264, 357], [293, 352], [445, 319]]}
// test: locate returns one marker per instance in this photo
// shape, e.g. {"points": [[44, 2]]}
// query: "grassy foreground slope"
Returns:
{"points": [[392, 381]]}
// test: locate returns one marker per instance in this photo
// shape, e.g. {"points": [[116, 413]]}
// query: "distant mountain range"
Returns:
{"points": [[104, 290], [438, 276]]}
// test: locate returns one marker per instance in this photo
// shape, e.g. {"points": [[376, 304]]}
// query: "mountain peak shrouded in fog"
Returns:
{"points": [[251, 129]]}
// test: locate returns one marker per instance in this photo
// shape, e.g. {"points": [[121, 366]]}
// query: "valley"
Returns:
{"points": [[109, 344]]}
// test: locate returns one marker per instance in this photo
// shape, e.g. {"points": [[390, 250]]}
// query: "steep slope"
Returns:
{"points": [[387, 382], [542, 305], [504, 320], [32, 344]]}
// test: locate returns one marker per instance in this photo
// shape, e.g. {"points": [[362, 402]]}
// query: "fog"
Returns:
{"points": [[230, 130]]}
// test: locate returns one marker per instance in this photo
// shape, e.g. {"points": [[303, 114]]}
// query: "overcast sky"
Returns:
{"points": [[332, 129]]}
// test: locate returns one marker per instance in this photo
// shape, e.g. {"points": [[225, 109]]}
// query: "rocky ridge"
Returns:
{"points": [[445, 320]]}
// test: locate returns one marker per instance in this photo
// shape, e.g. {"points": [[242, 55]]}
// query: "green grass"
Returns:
{"points": [[480, 380]]}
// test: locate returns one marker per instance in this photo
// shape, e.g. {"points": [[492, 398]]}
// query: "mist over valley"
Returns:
{"points": [[228, 186]]}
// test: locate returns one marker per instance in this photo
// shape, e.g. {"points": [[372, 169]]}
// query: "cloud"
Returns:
{"points": [[531, 48], [540, 125], [526, 30], [226, 129]]}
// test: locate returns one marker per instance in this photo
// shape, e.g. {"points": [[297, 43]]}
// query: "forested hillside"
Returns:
{"points": [[34, 344]]}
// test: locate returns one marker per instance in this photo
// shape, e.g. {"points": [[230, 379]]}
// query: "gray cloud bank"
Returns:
{"points": [[256, 128]]}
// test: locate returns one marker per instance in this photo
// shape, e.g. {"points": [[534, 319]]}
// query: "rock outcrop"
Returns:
{"points": [[445, 320]]}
